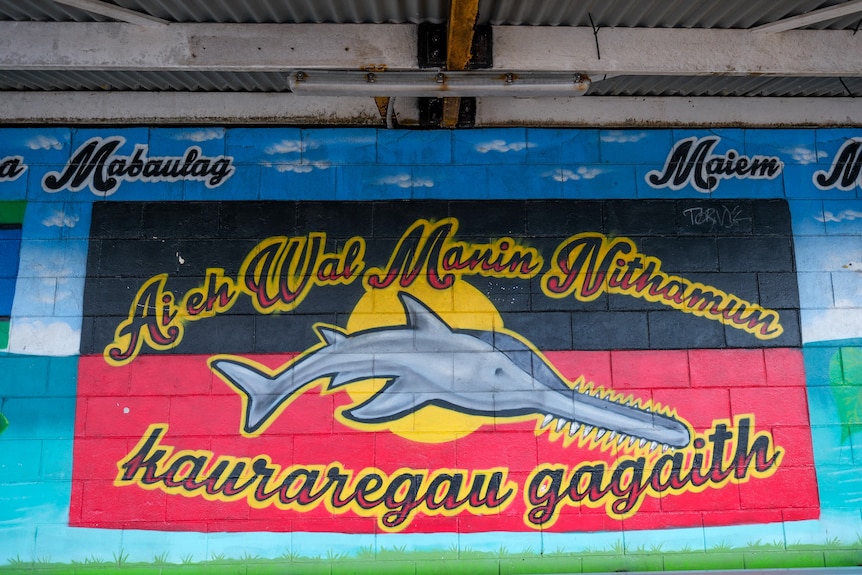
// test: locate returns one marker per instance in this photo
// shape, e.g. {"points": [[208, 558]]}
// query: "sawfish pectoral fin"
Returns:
{"points": [[262, 394], [384, 406]]}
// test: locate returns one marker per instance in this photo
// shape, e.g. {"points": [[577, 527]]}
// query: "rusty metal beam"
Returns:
{"points": [[462, 21], [459, 41]]}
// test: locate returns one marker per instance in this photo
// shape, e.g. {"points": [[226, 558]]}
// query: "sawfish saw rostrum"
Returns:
{"points": [[427, 362]]}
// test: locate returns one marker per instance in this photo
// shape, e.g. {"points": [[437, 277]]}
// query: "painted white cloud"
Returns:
{"points": [[44, 143], [502, 146], [831, 324], [803, 155], [285, 147], [34, 337], [622, 137], [582, 173], [201, 135], [61, 220], [406, 181], [848, 215], [340, 140], [302, 167]]}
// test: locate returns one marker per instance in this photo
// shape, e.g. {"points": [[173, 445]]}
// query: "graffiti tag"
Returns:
{"points": [[724, 217]]}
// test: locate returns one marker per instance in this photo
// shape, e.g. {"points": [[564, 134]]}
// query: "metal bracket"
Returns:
{"points": [[431, 53], [432, 47], [431, 112]]}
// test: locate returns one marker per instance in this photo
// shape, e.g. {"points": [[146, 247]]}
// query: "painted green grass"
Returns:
{"points": [[4, 334], [397, 560], [845, 377]]}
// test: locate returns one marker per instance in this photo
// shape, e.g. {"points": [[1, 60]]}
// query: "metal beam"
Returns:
{"points": [[283, 47], [813, 17], [678, 51], [114, 11], [201, 47], [171, 108]]}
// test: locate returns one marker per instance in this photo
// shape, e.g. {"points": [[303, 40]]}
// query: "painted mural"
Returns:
{"points": [[485, 350]]}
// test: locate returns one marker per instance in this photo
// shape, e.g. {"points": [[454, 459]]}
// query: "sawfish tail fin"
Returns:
{"points": [[262, 394]]}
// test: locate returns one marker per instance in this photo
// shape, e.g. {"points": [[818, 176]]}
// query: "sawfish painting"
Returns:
{"points": [[427, 362]]}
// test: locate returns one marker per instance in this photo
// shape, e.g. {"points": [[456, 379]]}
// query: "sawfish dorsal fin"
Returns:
{"points": [[329, 335], [420, 317]]}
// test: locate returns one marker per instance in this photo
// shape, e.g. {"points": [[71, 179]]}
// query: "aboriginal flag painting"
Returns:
{"points": [[390, 366]]}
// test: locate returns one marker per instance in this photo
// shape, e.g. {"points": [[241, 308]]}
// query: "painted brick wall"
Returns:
{"points": [[502, 351]]}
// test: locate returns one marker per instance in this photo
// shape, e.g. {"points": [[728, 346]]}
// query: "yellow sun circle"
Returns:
{"points": [[462, 306]]}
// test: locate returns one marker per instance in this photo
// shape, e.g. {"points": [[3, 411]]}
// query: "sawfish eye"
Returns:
{"points": [[498, 371]]}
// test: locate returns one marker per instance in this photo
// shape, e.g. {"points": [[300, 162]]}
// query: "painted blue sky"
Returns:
{"points": [[351, 164], [829, 263], [49, 294]]}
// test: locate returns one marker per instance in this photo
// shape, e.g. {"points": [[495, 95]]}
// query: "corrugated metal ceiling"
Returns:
{"points": [[606, 13], [652, 13], [726, 86], [131, 80]]}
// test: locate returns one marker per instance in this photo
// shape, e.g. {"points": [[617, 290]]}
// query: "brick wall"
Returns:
{"points": [[503, 351]]}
